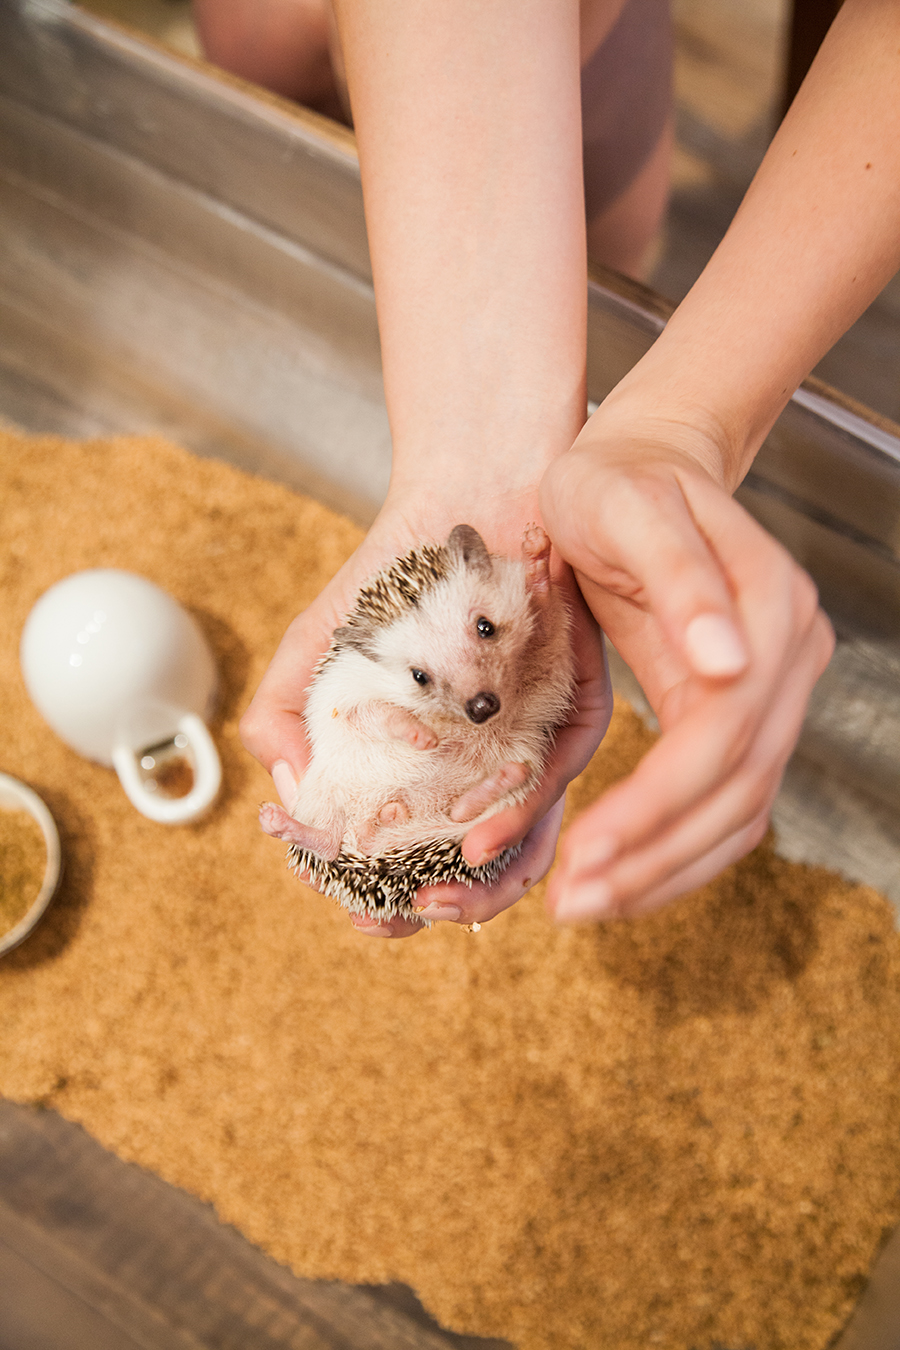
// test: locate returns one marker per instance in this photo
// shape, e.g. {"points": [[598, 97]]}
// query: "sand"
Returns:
{"points": [[678, 1132]]}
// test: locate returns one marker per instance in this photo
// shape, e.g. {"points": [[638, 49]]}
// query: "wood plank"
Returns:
{"points": [[875, 1325], [53, 1300], [97, 1244]]}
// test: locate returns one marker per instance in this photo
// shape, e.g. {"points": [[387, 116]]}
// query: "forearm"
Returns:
{"points": [[816, 238], [468, 122]]}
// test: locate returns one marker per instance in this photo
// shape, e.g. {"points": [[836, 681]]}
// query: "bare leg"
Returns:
{"points": [[276, 821], [626, 110], [280, 44], [624, 235], [292, 48], [393, 813]]}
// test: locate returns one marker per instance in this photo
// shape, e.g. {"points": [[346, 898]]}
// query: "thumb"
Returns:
{"points": [[273, 729], [276, 736]]}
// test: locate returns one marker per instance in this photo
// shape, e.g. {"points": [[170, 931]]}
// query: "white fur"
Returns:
{"points": [[357, 766]]}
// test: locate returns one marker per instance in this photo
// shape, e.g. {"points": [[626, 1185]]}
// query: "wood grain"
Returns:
{"points": [[96, 1254]]}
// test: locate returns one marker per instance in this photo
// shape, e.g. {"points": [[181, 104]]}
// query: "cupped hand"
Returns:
{"points": [[724, 632], [273, 729]]}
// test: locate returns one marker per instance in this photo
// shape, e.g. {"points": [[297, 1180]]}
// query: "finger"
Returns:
{"points": [[777, 599], [703, 750], [703, 870], [272, 728], [626, 875], [455, 902], [623, 884], [683, 581], [395, 927], [592, 907]]}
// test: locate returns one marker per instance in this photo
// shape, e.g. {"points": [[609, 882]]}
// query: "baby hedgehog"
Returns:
{"points": [[434, 707]]}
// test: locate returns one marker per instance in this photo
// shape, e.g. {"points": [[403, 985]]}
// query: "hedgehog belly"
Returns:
{"points": [[386, 884]]}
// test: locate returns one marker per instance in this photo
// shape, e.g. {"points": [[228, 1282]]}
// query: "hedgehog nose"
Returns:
{"points": [[482, 706]]}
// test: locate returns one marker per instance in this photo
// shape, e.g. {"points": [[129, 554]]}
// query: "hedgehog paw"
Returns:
{"points": [[536, 552], [478, 798], [399, 725], [393, 813]]}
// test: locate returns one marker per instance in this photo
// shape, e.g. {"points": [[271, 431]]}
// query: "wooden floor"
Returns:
{"points": [[96, 1254]]}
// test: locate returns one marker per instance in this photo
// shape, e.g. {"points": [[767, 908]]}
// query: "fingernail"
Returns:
{"points": [[374, 929], [714, 645], [450, 913], [591, 901], [285, 782]]}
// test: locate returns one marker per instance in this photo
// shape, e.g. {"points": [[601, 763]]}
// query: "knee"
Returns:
{"points": [[279, 44]]}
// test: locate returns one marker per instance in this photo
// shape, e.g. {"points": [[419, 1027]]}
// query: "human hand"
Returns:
{"points": [[724, 633], [273, 729]]}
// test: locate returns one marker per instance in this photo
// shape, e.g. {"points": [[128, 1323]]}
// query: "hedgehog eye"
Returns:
{"points": [[485, 628], [419, 676]]}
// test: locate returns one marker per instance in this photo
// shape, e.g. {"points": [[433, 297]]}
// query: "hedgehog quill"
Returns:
{"points": [[435, 706]]}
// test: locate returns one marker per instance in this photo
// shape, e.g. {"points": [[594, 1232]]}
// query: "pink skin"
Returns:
{"points": [[285, 45], [276, 822], [719, 625], [479, 274], [536, 551], [664, 547], [273, 728], [393, 813]]}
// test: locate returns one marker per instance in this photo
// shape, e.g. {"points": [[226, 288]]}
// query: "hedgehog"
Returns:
{"points": [[435, 706]]}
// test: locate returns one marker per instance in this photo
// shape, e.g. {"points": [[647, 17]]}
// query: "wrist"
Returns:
{"points": [[672, 403], [623, 431], [430, 508], [485, 457]]}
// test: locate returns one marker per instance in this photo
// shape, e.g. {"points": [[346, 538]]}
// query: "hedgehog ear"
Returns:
{"points": [[467, 546], [360, 639]]}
